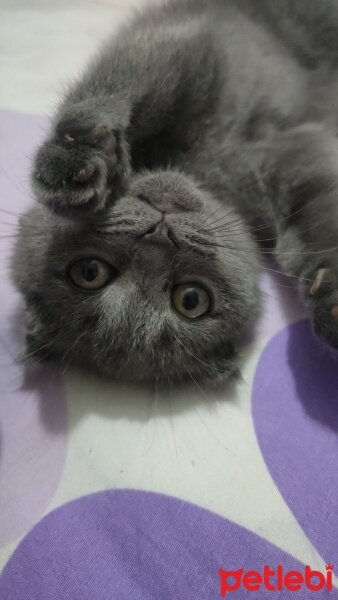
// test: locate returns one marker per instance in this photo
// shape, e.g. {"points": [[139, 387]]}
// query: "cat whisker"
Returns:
{"points": [[238, 248], [204, 364], [69, 350], [172, 429], [200, 417], [155, 412], [222, 217], [197, 385]]}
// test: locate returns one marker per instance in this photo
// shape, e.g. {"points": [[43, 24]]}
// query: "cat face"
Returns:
{"points": [[147, 291]]}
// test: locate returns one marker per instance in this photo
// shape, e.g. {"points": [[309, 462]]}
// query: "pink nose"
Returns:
{"points": [[159, 234]]}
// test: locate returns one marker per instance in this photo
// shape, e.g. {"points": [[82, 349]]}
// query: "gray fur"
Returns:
{"points": [[221, 115]]}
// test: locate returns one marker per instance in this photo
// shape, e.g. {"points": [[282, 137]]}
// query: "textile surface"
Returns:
{"points": [[110, 491]]}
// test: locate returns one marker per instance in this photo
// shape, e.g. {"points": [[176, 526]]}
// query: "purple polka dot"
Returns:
{"points": [[129, 544], [295, 410]]}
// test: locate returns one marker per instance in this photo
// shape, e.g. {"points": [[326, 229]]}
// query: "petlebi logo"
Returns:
{"points": [[275, 580]]}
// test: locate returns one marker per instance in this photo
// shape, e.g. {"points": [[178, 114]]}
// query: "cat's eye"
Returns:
{"points": [[191, 300], [91, 273]]}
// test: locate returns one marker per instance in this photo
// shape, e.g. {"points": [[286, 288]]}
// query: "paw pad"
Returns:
{"points": [[85, 174]]}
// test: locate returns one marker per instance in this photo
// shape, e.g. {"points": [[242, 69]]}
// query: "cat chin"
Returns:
{"points": [[217, 377], [220, 372]]}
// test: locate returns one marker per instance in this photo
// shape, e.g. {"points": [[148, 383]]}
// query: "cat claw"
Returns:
{"points": [[334, 312], [91, 137], [85, 174], [321, 274], [324, 304]]}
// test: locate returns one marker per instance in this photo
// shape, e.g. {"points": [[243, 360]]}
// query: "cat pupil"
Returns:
{"points": [[90, 270], [190, 300]]}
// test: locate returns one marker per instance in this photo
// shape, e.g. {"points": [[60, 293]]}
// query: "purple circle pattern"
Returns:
{"points": [[130, 544], [295, 411]]}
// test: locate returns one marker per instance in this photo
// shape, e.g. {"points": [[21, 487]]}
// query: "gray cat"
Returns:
{"points": [[200, 137]]}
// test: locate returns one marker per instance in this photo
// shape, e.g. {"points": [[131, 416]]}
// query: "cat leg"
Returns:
{"points": [[85, 160], [306, 209], [136, 106], [286, 189]]}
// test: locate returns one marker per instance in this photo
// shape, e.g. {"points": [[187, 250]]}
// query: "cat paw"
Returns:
{"points": [[83, 164], [323, 303]]}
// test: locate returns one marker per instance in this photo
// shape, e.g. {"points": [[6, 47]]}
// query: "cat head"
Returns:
{"points": [[157, 288]]}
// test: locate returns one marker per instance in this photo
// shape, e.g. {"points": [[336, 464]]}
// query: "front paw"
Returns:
{"points": [[83, 165], [323, 302]]}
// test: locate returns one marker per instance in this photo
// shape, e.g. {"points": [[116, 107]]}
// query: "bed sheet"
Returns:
{"points": [[111, 491]]}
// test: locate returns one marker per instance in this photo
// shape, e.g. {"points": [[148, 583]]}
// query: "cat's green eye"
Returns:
{"points": [[91, 273], [191, 300]]}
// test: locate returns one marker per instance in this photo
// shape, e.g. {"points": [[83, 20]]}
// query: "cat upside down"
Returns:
{"points": [[202, 137]]}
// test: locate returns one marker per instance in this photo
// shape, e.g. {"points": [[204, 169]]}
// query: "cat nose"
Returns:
{"points": [[153, 253], [159, 234]]}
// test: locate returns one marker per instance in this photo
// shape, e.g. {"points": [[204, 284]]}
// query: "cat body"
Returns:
{"points": [[202, 134]]}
